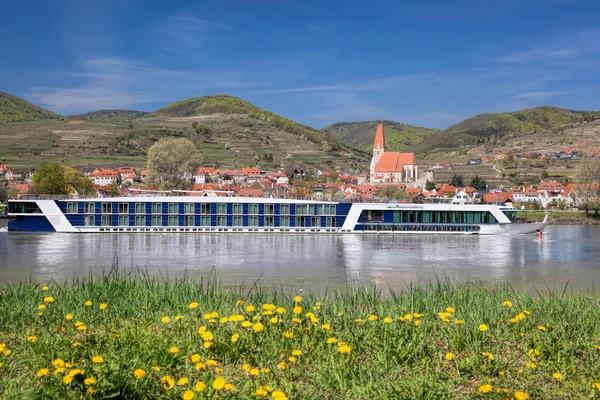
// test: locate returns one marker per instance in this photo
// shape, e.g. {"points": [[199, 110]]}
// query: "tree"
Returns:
{"points": [[171, 163], [76, 182], [587, 187], [545, 175], [114, 188], [478, 183], [49, 178], [457, 180], [429, 185]]}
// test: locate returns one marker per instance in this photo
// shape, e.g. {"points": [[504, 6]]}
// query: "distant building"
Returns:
{"points": [[391, 167]]}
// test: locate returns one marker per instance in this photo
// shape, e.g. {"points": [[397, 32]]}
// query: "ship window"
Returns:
{"points": [[253, 209], [173, 220], [269, 209], [284, 209], [253, 221], [238, 209], [284, 221], [140, 220], [156, 208], [330, 222], [156, 220], [301, 209], [189, 208], [71, 208], [238, 219], [300, 222], [89, 208], [173, 208], [205, 221], [89, 220], [140, 208], [123, 220], [205, 208], [106, 220], [221, 220], [269, 221], [106, 208], [123, 208], [315, 221], [190, 220], [222, 208]]}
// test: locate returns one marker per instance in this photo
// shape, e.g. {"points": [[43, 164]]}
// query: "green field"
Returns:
{"points": [[137, 337]]}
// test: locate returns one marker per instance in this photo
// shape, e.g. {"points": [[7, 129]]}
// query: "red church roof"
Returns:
{"points": [[393, 161]]}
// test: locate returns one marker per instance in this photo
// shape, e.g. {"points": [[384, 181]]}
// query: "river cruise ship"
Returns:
{"points": [[244, 214]]}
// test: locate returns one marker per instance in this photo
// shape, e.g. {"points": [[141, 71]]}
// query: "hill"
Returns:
{"points": [[228, 131], [495, 127], [14, 109], [108, 116], [398, 137]]}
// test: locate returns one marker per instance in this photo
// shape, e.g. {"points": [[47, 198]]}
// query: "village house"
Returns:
{"points": [[391, 167], [104, 176]]}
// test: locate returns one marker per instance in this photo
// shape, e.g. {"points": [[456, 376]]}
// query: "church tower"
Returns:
{"points": [[378, 147]]}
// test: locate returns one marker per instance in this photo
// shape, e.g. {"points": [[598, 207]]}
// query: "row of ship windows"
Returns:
{"points": [[123, 220], [421, 228], [205, 208]]}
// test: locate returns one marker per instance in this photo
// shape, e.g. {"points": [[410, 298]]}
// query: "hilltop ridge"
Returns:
{"points": [[15, 109]]}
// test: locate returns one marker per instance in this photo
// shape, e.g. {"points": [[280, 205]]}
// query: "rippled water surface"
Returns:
{"points": [[565, 254]]}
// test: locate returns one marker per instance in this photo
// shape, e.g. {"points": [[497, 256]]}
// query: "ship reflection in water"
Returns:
{"points": [[317, 262]]}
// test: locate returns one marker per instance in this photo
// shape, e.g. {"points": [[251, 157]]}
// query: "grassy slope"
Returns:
{"points": [[14, 109], [450, 353], [493, 127], [398, 137], [108, 116]]}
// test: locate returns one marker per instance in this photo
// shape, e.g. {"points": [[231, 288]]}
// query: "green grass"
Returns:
{"points": [[384, 358]]}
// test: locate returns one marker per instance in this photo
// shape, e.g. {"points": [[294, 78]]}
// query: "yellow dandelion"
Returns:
{"points": [[557, 376], [211, 363], [388, 320], [235, 337], [155, 368], [103, 306], [76, 344], [401, 318], [358, 320], [297, 299], [485, 388], [260, 392], [449, 356], [195, 358], [139, 374], [165, 320], [281, 310], [188, 395], [59, 362], [41, 306], [229, 387], [258, 327], [88, 303], [218, 384], [408, 317], [288, 334], [183, 381], [200, 366], [297, 352], [345, 349], [533, 353], [531, 365], [483, 327], [43, 372], [246, 324], [200, 386], [254, 371], [417, 323], [269, 307], [48, 299], [372, 317], [292, 359], [193, 305], [59, 370], [45, 288], [282, 365], [521, 396], [223, 320], [487, 355], [89, 381], [69, 317], [67, 380], [450, 309], [167, 382], [265, 370], [297, 310], [331, 340], [178, 317], [507, 303], [541, 327], [250, 308], [278, 395], [98, 359], [32, 339], [207, 335], [174, 349]]}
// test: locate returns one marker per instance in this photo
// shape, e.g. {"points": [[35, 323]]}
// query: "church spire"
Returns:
{"points": [[379, 139]]}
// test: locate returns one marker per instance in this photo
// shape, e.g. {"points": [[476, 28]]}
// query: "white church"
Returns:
{"points": [[391, 167]]}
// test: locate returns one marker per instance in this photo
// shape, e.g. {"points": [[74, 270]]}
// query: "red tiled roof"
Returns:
{"points": [[393, 161]]}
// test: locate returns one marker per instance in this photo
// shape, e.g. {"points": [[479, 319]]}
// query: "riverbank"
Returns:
{"points": [[563, 217], [141, 337]]}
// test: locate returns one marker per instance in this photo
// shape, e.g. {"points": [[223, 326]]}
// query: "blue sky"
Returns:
{"points": [[430, 63]]}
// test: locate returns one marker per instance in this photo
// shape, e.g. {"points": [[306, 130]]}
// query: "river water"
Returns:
{"points": [[566, 254]]}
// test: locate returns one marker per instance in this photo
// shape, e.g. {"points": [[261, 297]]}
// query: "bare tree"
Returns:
{"points": [[587, 187], [171, 163]]}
